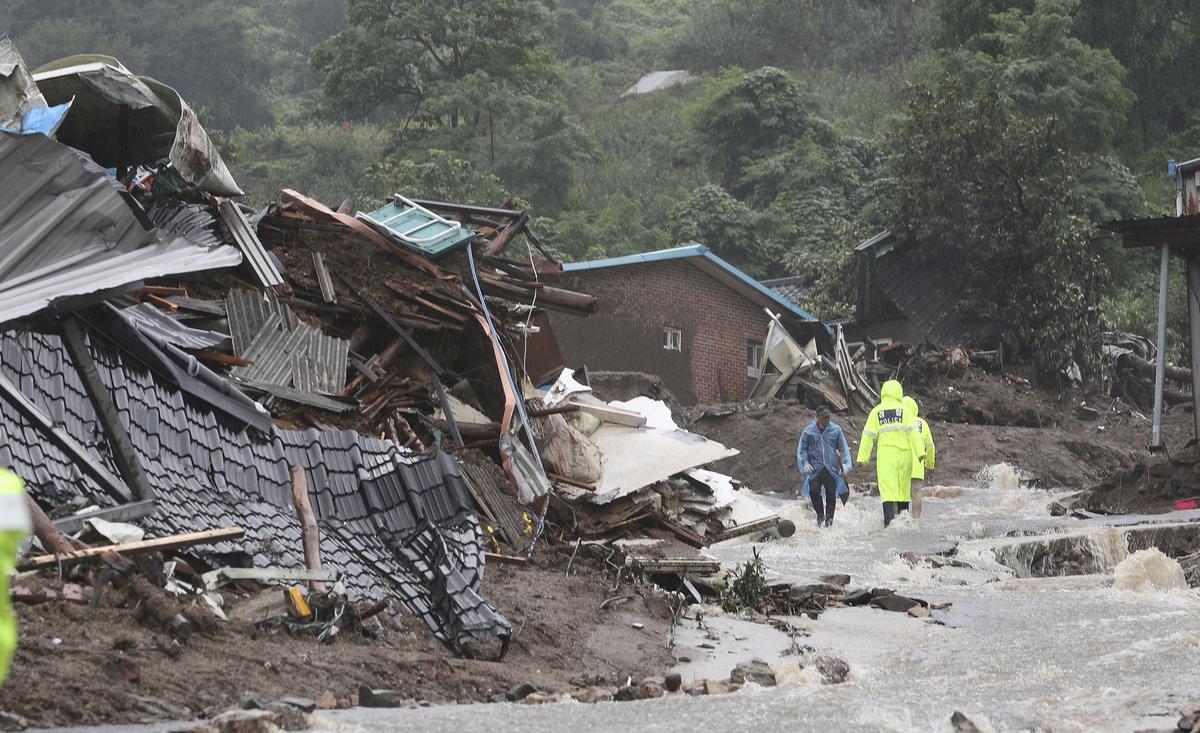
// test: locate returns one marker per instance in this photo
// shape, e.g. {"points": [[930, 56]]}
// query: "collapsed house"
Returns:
{"points": [[300, 393]]}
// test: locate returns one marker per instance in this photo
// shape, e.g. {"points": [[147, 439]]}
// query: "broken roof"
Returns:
{"points": [[67, 229], [1176, 231], [794, 289], [125, 120], [705, 260]]}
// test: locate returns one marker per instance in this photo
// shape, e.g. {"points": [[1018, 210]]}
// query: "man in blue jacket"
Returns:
{"points": [[822, 456]]}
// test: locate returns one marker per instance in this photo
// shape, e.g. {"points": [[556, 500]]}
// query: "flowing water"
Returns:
{"points": [[1022, 647]]}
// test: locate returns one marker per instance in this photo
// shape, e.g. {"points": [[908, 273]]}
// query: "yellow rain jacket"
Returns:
{"points": [[894, 427], [14, 525], [920, 467]]}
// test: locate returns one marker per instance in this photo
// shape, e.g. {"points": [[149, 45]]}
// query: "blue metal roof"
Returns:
{"points": [[690, 251]]}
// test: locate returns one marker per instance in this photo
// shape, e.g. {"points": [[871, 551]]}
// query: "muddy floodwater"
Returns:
{"points": [[1013, 652]]}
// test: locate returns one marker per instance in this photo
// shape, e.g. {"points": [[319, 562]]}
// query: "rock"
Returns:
{"points": [[833, 671], [673, 682], [899, 604], [941, 605], [625, 693], [500, 697], [246, 721], [520, 692], [716, 687], [800, 593], [756, 671], [302, 703], [326, 701], [12, 721], [695, 688], [593, 694], [918, 612], [860, 597], [839, 580], [345, 703], [650, 689], [254, 701], [290, 717], [541, 698], [638, 626], [1084, 412], [369, 698], [963, 724]]}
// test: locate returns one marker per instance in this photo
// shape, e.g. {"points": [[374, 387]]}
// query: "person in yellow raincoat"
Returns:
{"points": [[920, 467], [894, 427], [14, 525]]}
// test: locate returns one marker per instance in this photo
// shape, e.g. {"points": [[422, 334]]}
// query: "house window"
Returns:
{"points": [[672, 339], [754, 358]]}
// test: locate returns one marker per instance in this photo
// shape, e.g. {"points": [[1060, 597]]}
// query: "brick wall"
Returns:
{"points": [[636, 302]]}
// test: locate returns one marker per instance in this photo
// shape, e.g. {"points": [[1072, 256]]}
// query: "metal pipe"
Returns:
{"points": [[1160, 363], [1193, 288]]}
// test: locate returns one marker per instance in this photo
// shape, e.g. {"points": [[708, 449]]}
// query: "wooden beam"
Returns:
{"points": [[613, 414], [106, 410], [161, 544], [308, 525]]}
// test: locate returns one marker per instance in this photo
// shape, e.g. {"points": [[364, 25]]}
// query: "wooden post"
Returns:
{"points": [[308, 525], [52, 539]]}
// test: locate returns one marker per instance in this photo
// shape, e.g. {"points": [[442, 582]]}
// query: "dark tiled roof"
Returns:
{"points": [[931, 302], [792, 289], [395, 523]]}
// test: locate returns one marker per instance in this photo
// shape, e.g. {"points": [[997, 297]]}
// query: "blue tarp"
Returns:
{"points": [[43, 120]]}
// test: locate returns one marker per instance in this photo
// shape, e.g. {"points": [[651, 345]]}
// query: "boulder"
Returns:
{"points": [[672, 682], [370, 698], [860, 597], [963, 724], [290, 717], [246, 721], [833, 671], [593, 694], [625, 693], [918, 612], [521, 691], [326, 701], [756, 671], [840, 580], [716, 687], [650, 689], [302, 703], [541, 698], [899, 604]]}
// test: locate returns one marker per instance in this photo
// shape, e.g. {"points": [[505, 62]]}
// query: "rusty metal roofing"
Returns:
{"points": [[67, 229]]}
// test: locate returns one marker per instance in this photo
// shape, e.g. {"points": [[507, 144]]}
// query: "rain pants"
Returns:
{"points": [[894, 428], [14, 525], [920, 467]]}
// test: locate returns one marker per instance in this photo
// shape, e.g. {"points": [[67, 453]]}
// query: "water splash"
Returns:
{"points": [[1147, 571], [1000, 477]]}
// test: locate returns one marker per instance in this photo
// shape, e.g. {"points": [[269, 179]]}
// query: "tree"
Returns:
{"points": [[985, 188], [397, 55], [714, 218]]}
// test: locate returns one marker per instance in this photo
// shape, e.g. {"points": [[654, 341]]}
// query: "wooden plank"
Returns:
{"points": [[504, 559], [214, 578], [310, 535], [161, 544], [613, 414], [328, 294], [220, 357]]}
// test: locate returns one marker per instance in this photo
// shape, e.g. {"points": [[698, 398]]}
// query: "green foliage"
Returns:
{"points": [[711, 216], [748, 588], [984, 188]]}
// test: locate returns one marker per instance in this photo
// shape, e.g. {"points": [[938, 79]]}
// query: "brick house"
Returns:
{"points": [[683, 314]]}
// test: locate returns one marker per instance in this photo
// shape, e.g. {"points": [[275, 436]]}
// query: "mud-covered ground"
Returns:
{"points": [[72, 669], [977, 420]]}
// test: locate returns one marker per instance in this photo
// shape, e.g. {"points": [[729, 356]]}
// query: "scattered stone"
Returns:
{"points": [[638, 626], [705, 645], [716, 687], [542, 698], [941, 605], [193, 729], [673, 682], [625, 693], [326, 701], [246, 721], [593, 694], [12, 721], [369, 698], [833, 671], [785, 527], [963, 724], [290, 717], [839, 580], [1084, 412], [650, 689], [344, 703], [918, 612], [756, 671], [302, 703], [521, 691], [254, 701], [899, 604], [860, 597], [500, 697]]}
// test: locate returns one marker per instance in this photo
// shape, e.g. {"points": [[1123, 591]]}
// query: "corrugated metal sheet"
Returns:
{"points": [[302, 357], [247, 240], [163, 329], [190, 221], [248, 310], [67, 229]]}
